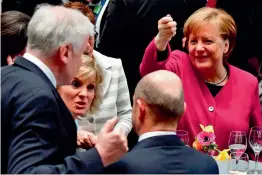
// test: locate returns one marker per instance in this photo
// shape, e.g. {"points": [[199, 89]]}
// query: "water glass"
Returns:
{"points": [[255, 142], [237, 142]]}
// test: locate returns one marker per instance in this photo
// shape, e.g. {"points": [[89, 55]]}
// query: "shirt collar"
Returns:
{"points": [[155, 133], [41, 66]]}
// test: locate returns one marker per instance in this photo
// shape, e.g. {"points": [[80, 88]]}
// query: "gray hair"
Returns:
{"points": [[54, 26], [163, 92]]}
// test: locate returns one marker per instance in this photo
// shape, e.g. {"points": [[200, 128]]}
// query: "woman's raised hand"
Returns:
{"points": [[166, 30]]}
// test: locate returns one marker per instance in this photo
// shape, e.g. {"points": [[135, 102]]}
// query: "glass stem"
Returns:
{"points": [[237, 159], [256, 157]]}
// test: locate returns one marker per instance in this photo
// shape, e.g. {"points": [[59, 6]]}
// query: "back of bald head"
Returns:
{"points": [[162, 91]]}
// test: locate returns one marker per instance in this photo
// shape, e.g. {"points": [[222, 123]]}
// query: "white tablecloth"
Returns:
{"points": [[223, 166]]}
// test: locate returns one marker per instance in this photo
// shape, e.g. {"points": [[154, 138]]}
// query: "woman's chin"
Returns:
{"points": [[79, 113], [203, 66]]}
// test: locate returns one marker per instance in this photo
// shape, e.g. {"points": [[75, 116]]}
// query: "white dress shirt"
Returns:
{"points": [[41, 66], [155, 133]]}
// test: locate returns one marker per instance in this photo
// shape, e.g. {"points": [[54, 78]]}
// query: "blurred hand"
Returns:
{"points": [[111, 145], [119, 130], [86, 139], [166, 30]]}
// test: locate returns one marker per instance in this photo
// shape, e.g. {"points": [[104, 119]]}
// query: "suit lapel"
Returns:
{"points": [[67, 122], [107, 80], [103, 62]]}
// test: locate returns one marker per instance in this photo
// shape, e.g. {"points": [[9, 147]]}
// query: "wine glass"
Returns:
{"points": [[255, 142], [238, 165], [183, 135], [237, 142]]}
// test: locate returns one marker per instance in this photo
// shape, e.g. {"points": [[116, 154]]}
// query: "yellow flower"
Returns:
{"points": [[223, 155], [208, 128]]}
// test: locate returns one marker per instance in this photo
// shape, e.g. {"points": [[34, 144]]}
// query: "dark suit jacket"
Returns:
{"points": [[26, 6], [164, 155], [130, 25], [38, 132]]}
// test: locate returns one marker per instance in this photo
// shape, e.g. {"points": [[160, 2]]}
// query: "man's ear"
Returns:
{"points": [[142, 109], [65, 53]]}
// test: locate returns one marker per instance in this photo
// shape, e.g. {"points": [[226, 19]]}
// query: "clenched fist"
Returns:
{"points": [[166, 30], [111, 145]]}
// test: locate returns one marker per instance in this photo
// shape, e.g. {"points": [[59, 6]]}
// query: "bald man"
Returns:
{"points": [[158, 104]]}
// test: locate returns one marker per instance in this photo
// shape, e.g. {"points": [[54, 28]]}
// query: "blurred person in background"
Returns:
{"points": [[13, 35]]}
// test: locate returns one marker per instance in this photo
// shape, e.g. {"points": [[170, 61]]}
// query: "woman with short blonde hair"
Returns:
{"points": [[218, 17], [83, 95], [116, 99], [88, 78]]}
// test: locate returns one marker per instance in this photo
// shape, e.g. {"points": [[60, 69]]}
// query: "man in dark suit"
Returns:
{"points": [[38, 132], [158, 104]]}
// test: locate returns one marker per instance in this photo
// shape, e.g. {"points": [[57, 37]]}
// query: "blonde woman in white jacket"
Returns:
{"points": [[115, 94]]}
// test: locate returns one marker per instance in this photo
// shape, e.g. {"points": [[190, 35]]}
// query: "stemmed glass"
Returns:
{"points": [[237, 142], [183, 135], [255, 142]]}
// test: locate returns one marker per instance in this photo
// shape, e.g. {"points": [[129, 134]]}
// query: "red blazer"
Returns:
{"points": [[235, 107]]}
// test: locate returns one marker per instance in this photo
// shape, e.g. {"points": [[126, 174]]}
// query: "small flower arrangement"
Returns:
{"points": [[205, 140]]}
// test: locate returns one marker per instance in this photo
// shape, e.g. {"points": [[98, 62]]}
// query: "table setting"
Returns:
{"points": [[235, 160]]}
